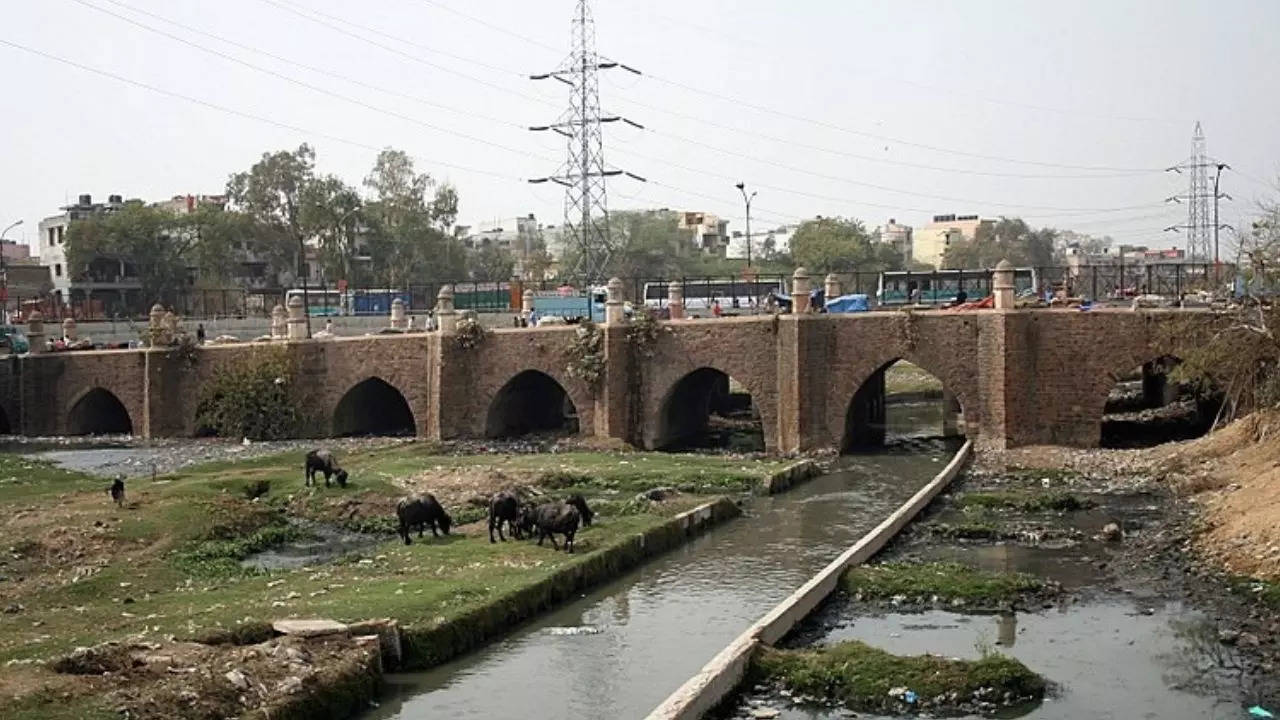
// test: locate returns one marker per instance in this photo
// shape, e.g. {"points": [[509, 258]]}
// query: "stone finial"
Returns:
{"points": [[526, 304], [831, 286], [35, 331], [399, 320], [445, 314], [675, 299], [155, 326], [800, 291], [297, 321], [279, 323], [1002, 285], [613, 307], [69, 329]]}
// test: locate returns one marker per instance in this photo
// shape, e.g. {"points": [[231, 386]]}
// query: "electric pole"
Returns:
{"points": [[742, 187], [1202, 232], [584, 173]]}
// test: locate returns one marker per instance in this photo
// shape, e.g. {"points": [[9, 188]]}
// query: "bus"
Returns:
{"points": [[735, 296], [319, 302], [372, 302], [940, 287]]}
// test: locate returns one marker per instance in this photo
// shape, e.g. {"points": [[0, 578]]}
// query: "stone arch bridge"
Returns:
{"points": [[1017, 377]]}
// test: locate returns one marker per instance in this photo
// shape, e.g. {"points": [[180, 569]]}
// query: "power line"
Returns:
{"points": [[307, 85], [240, 113], [740, 103], [318, 70]]}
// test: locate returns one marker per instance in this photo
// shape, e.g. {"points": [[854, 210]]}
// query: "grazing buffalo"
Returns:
{"points": [[323, 461], [555, 518], [580, 503], [421, 511], [117, 491], [504, 507]]}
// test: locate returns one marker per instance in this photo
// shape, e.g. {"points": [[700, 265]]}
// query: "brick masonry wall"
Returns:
{"points": [[1021, 377]]}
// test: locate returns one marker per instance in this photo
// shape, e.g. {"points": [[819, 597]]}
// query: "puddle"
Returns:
{"points": [[323, 544], [1108, 658]]}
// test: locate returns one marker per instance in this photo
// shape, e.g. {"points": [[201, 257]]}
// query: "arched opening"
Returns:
{"points": [[373, 407], [99, 412], [900, 401], [1148, 406], [707, 409], [531, 402]]}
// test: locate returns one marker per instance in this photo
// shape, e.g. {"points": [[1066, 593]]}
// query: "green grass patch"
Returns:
{"points": [[23, 478], [861, 677], [950, 581], [1266, 592], [1029, 502], [221, 557]]}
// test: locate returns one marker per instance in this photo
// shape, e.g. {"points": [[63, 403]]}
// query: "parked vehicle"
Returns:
{"points": [[735, 296], [940, 287], [14, 340]]}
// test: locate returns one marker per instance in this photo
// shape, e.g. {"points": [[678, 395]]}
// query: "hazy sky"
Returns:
{"points": [[869, 109]]}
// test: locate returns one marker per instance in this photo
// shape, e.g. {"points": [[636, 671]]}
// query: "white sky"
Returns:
{"points": [[1098, 83]]}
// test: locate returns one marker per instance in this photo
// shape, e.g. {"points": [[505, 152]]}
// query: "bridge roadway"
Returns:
{"points": [[1013, 377]]}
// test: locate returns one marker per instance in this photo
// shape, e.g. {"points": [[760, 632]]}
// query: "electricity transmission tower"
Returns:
{"points": [[584, 173], [1202, 226]]}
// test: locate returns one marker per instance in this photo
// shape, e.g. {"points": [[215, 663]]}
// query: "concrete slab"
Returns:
{"points": [[309, 628]]}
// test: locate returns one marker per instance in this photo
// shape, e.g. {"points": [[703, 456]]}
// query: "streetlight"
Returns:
{"points": [[1216, 196], [4, 272], [742, 187]]}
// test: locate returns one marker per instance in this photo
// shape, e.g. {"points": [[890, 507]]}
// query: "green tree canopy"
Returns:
{"points": [[152, 240], [1008, 238], [272, 194], [829, 245], [409, 234]]}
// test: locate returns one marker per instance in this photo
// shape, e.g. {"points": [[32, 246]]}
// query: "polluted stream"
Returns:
{"points": [[620, 649]]}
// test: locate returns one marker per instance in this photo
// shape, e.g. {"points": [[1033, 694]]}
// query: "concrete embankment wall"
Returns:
{"points": [[425, 647], [790, 476], [719, 677]]}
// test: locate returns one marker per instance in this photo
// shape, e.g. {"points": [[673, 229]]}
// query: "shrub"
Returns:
{"points": [[251, 398], [470, 333], [585, 354]]}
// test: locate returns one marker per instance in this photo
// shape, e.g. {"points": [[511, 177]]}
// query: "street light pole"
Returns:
{"points": [[302, 273], [742, 187], [4, 272], [1216, 196]]}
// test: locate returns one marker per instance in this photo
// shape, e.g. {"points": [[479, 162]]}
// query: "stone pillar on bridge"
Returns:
{"points": [[297, 319], [1002, 285], [675, 299], [1157, 390], [613, 307], [445, 314], [526, 305], [800, 291], [831, 286], [399, 320], [35, 331], [155, 326], [279, 323], [69, 330], [952, 417], [170, 328]]}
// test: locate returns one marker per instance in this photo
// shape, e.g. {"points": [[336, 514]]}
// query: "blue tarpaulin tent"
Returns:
{"points": [[849, 304]]}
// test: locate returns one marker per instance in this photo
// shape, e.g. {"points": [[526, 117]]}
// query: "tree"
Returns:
{"points": [[332, 212], [271, 192], [149, 239], [1007, 239], [409, 235], [491, 264], [222, 241], [829, 245]]}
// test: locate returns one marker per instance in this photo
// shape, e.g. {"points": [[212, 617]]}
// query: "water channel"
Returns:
{"points": [[641, 636]]}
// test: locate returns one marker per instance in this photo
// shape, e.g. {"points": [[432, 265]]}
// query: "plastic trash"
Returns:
{"points": [[911, 697], [1260, 712]]}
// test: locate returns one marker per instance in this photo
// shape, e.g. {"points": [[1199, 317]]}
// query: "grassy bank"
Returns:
{"points": [[79, 571], [920, 582], [865, 679]]}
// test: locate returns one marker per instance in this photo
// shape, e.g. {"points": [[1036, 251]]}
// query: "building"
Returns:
{"points": [[929, 244], [107, 279], [898, 236], [523, 237], [710, 233], [772, 241], [14, 251]]}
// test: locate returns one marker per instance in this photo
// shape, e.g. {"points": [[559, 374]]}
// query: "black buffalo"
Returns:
{"points": [[580, 503], [504, 507], [554, 518], [323, 461], [421, 511], [117, 491]]}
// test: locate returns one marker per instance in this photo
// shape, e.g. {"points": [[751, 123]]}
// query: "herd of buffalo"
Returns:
{"points": [[424, 511], [546, 520]]}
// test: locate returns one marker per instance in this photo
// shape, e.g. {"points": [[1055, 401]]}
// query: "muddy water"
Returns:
{"points": [[322, 544], [650, 630]]}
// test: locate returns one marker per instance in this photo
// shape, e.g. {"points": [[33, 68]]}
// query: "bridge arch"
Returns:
{"points": [[688, 406], [97, 411], [1142, 381], [888, 403], [531, 401], [373, 406]]}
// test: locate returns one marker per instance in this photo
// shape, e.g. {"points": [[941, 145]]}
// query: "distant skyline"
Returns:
{"points": [[869, 110]]}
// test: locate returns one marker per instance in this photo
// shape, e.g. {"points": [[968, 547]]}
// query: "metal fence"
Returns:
{"points": [[740, 294]]}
